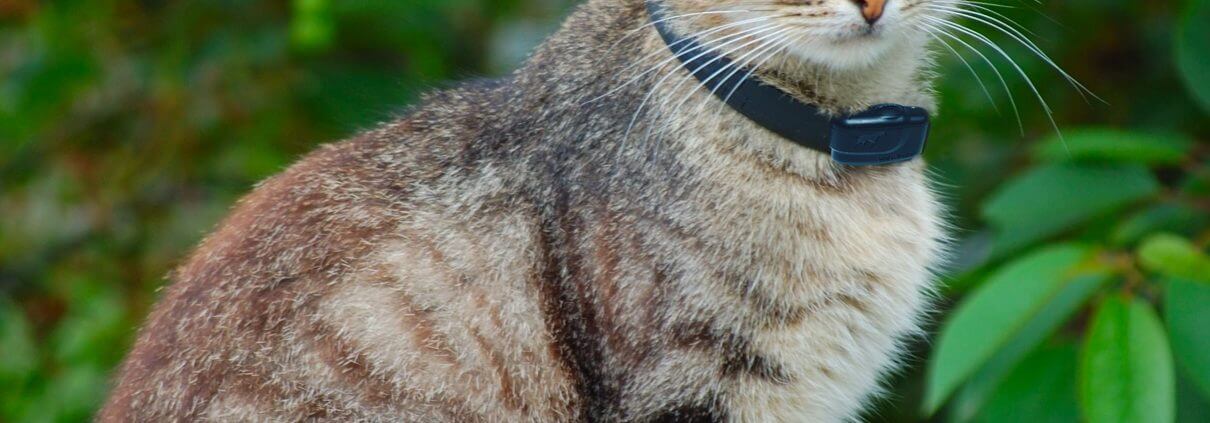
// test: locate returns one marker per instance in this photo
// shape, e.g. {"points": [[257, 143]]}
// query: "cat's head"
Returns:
{"points": [[835, 34]]}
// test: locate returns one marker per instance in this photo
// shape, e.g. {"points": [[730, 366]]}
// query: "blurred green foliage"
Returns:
{"points": [[1079, 290]]}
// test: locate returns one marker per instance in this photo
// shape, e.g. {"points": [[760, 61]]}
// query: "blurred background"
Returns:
{"points": [[1080, 288]]}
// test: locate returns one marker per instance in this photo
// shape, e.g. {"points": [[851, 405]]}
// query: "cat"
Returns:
{"points": [[592, 238]]}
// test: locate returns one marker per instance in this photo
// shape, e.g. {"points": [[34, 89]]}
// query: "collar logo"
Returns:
{"points": [[870, 140]]}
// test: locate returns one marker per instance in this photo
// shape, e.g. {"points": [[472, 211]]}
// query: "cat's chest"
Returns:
{"points": [[854, 265], [807, 243]]}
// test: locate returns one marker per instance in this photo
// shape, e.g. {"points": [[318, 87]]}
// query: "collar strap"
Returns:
{"points": [[883, 134]]}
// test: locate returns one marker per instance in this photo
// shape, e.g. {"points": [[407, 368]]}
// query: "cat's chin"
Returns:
{"points": [[847, 51]]}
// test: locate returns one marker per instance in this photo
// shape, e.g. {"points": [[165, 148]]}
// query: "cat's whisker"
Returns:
{"points": [[1046, 16], [677, 52], [980, 6], [778, 50], [974, 10], [716, 44], [655, 87], [775, 46], [1025, 76], [982, 3], [1040, 12], [785, 44], [679, 47], [1000, 76], [771, 48], [970, 68], [736, 63], [1013, 33], [655, 22], [771, 27]]}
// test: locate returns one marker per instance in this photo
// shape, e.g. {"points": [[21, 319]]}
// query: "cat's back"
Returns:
{"points": [[297, 306]]}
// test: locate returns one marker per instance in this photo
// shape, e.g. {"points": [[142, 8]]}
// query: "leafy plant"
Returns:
{"points": [[1075, 326], [1126, 365], [1126, 371], [1125, 361], [1193, 40]]}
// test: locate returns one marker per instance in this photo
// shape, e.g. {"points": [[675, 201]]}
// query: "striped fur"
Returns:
{"points": [[510, 251]]}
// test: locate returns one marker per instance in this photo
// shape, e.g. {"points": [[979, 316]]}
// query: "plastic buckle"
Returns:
{"points": [[883, 134]]}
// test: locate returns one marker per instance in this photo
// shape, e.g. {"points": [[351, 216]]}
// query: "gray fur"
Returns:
{"points": [[512, 250]]}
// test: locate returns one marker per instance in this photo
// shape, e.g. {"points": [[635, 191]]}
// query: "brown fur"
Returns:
{"points": [[507, 251]]}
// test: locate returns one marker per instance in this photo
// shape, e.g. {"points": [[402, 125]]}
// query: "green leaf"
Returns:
{"points": [[1193, 51], [1104, 144], [1198, 182], [1192, 406], [1158, 218], [1041, 389], [971, 398], [1126, 371], [1174, 256], [18, 360], [1050, 199], [1187, 312], [73, 395], [1017, 301], [94, 331], [16, 346], [312, 27]]}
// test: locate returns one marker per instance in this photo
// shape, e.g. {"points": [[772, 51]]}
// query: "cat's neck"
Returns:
{"points": [[900, 76], [836, 78], [608, 63]]}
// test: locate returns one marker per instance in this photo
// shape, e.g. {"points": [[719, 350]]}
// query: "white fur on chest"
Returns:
{"points": [[858, 261], [855, 255], [854, 248]]}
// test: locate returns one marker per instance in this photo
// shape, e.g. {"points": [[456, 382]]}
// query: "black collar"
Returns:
{"points": [[883, 134]]}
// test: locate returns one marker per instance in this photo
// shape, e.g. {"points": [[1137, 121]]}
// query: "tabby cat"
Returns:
{"points": [[595, 237]]}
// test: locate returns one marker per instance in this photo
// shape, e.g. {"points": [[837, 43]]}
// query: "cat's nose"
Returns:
{"points": [[871, 10]]}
